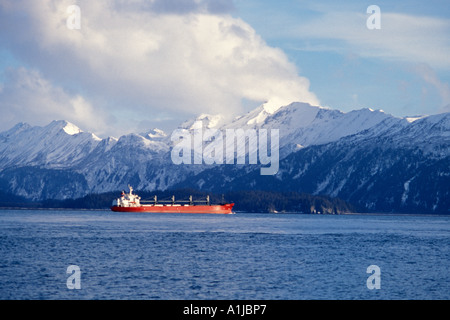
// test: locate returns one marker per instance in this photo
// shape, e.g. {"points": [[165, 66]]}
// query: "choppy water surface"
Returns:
{"points": [[241, 256]]}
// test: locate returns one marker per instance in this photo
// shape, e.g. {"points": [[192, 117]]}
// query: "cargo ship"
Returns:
{"points": [[130, 202]]}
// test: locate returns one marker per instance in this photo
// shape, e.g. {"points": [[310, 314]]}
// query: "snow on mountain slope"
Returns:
{"points": [[209, 121], [34, 161], [59, 144], [301, 124], [392, 165], [155, 134], [429, 134]]}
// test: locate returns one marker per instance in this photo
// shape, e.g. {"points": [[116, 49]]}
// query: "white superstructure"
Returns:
{"points": [[128, 199]]}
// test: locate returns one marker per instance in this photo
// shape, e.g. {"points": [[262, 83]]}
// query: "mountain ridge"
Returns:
{"points": [[32, 158]]}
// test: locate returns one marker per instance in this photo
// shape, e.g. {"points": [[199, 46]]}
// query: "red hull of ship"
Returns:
{"points": [[218, 209]]}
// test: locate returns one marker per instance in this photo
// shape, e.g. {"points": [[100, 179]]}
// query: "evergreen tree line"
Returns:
{"points": [[245, 201]]}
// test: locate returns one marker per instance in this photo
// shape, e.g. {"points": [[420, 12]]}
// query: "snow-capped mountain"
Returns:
{"points": [[59, 144], [395, 165], [322, 151], [301, 124]]}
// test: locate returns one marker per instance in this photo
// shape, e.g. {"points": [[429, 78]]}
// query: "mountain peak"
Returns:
{"points": [[71, 129], [209, 121], [65, 125], [360, 153], [21, 126], [155, 134], [270, 107]]}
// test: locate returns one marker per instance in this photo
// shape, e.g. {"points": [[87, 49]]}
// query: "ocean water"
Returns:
{"points": [[237, 257]]}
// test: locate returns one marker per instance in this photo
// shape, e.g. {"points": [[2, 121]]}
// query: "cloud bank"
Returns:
{"points": [[27, 97], [401, 36], [134, 62]]}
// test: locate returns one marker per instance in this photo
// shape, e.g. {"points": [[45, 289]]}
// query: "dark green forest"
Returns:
{"points": [[245, 201]]}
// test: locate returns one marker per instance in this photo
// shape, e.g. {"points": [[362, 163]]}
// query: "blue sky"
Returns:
{"points": [[343, 74], [136, 65]]}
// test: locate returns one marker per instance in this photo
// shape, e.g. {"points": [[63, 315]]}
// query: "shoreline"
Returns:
{"points": [[247, 212]]}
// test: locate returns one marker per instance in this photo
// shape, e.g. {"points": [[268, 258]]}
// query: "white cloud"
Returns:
{"points": [[404, 37], [149, 59], [27, 97], [430, 77]]}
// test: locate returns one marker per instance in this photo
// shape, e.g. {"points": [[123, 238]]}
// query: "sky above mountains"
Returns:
{"points": [[126, 66]]}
